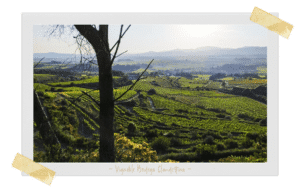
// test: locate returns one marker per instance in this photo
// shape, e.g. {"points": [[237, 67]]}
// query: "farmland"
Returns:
{"points": [[165, 118]]}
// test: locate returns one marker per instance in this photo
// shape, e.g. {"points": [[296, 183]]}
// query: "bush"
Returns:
{"points": [[177, 133], [242, 159], [244, 116], [221, 147], [128, 151], [215, 135], [161, 143], [252, 136], [262, 138], [209, 140], [152, 133], [221, 116], [263, 122], [206, 151], [176, 142], [131, 127], [194, 135], [169, 134], [230, 144], [247, 143]]}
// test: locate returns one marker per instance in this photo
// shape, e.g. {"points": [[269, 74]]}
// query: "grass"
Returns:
{"points": [[94, 79]]}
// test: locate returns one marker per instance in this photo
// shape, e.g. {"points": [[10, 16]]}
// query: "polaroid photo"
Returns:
{"points": [[150, 94]]}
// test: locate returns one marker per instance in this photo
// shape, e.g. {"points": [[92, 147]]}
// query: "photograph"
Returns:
{"points": [[150, 93]]}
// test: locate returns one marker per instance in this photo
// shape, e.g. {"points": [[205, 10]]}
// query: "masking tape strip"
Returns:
{"points": [[33, 169], [271, 22]]}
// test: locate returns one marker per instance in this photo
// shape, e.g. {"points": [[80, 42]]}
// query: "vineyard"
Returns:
{"points": [[160, 119]]}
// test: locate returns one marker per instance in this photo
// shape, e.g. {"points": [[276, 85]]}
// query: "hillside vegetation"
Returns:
{"points": [[161, 119]]}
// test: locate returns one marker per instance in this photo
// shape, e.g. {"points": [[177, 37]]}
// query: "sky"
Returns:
{"points": [[145, 38]]}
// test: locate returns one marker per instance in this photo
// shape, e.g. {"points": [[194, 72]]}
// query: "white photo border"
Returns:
{"points": [[270, 168]]}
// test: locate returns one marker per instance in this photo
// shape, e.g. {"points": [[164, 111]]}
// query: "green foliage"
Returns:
{"points": [[215, 135], [182, 157], [247, 142], [176, 141], [243, 159], [206, 151], [128, 151], [152, 133], [230, 143], [194, 135], [131, 127], [181, 119], [41, 87], [161, 143], [252, 136], [209, 140], [49, 95], [221, 147]]}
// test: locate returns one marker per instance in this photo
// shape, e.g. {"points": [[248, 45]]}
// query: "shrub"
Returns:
{"points": [[177, 133], [209, 140], [181, 157], [121, 129], [221, 147], [215, 135], [131, 127], [194, 135], [242, 159], [152, 133], [64, 102], [263, 122], [252, 136], [176, 142], [169, 134], [151, 92], [244, 116], [206, 151], [247, 143], [128, 151], [227, 117], [221, 116], [230, 144], [262, 138], [161, 143]]}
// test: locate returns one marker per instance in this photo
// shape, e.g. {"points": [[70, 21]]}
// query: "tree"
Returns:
{"points": [[98, 39], [91, 38]]}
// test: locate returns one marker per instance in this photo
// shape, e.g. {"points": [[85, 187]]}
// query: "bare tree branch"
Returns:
{"points": [[134, 82], [39, 62], [121, 53], [120, 39], [54, 30]]}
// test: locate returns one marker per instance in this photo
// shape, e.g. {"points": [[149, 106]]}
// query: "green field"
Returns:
{"points": [[186, 120]]}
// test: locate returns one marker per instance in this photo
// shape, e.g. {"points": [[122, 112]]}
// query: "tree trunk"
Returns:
{"points": [[106, 151], [99, 41]]}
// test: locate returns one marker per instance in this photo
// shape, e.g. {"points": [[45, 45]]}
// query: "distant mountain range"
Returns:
{"points": [[203, 51], [204, 59]]}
